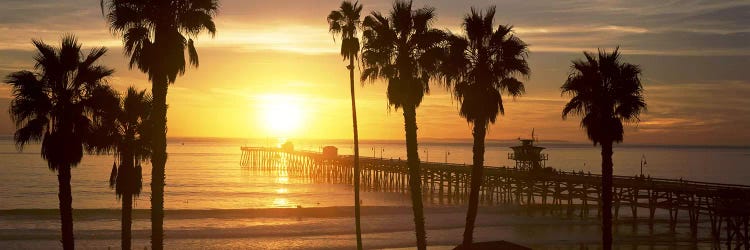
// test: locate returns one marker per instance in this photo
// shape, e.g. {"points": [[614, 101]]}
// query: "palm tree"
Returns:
{"points": [[478, 69], [404, 50], [53, 105], [605, 92], [155, 36], [123, 127], [345, 21]]}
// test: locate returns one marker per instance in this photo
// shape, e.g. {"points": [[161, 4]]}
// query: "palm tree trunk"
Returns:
{"points": [[357, 219], [480, 130], [66, 207], [415, 180], [127, 211], [158, 161], [607, 195]]}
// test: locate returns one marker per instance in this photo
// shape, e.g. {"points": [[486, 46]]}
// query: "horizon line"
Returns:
{"points": [[452, 140]]}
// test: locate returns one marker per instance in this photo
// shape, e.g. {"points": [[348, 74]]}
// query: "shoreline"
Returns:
{"points": [[383, 227], [244, 213]]}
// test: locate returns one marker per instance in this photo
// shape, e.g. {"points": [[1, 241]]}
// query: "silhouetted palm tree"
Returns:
{"points": [[156, 35], [123, 126], [345, 21], [403, 49], [478, 69], [53, 105], [605, 92]]}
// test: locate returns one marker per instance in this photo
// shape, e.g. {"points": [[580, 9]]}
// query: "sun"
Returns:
{"points": [[282, 115]]}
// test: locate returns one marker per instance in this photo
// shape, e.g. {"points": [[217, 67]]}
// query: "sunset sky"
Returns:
{"points": [[274, 61]]}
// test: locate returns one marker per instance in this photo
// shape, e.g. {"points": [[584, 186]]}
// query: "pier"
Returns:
{"points": [[724, 208]]}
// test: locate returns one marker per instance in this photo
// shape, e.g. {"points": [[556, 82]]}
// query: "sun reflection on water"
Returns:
{"points": [[282, 180], [280, 202]]}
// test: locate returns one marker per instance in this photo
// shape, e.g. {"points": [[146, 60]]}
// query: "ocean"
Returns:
{"points": [[212, 202]]}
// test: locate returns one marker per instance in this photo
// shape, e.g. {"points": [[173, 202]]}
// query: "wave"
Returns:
{"points": [[391, 224], [307, 212]]}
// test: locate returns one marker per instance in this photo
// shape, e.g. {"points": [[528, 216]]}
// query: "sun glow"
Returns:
{"points": [[282, 114]]}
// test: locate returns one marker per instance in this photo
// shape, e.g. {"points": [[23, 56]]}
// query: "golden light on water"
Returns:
{"points": [[282, 180], [280, 202]]}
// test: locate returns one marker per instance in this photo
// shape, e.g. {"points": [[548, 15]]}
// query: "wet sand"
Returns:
{"points": [[332, 228]]}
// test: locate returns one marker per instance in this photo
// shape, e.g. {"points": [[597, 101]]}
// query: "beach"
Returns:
{"points": [[326, 228]]}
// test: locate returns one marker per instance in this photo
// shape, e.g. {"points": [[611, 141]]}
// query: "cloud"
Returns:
{"points": [[643, 27], [705, 111], [297, 38]]}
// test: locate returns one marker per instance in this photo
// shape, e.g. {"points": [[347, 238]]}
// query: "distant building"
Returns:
{"points": [[528, 156], [288, 146], [330, 152]]}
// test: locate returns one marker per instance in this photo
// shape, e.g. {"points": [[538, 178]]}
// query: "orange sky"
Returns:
{"points": [[277, 62]]}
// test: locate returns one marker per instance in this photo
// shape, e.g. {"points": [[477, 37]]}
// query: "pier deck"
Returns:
{"points": [[725, 207]]}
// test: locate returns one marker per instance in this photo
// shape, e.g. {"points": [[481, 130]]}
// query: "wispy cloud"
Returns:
{"points": [[643, 27]]}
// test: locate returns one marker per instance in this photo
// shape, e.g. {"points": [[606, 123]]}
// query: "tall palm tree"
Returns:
{"points": [[345, 21], [156, 35], [403, 49], [478, 69], [53, 105], [123, 126], [605, 92]]}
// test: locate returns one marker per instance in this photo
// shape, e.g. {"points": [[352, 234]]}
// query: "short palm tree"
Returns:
{"points": [[123, 127], [345, 21], [404, 50], [605, 92], [53, 105], [156, 35], [478, 69]]}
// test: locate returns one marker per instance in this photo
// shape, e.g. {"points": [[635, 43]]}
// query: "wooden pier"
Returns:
{"points": [[725, 208]]}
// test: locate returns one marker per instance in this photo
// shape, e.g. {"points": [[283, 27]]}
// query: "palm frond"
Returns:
{"points": [[422, 19], [401, 17], [31, 131], [482, 65], [50, 103], [192, 53], [46, 59], [139, 20], [605, 92], [345, 22], [31, 99], [511, 86], [69, 53], [335, 19], [404, 50], [193, 22]]}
